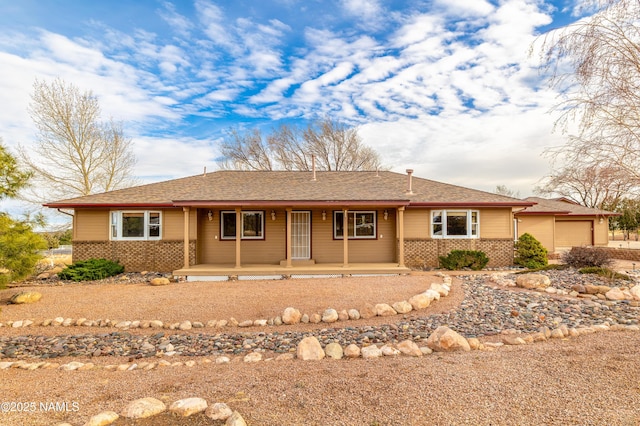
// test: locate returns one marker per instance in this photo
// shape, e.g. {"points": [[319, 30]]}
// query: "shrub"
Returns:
{"points": [[530, 253], [605, 272], [460, 259], [19, 249], [92, 269], [582, 257]]}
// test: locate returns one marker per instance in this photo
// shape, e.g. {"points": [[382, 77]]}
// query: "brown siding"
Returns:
{"points": [[417, 223], [91, 225], [541, 227], [601, 231], [496, 223], [327, 250], [173, 224]]}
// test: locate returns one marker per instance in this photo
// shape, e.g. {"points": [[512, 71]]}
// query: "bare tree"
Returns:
{"points": [[76, 153], [591, 186], [334, 146], [595, 63], [246, 152], [503, 190]]}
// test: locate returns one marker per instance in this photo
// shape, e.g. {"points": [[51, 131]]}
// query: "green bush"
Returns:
{"points": [[92, 269], [530, 253], [460, 259], [19, 249], [584, 257], [605, 272]]}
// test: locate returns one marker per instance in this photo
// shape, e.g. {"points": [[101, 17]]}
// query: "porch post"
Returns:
{"points": [[289, 262], [238, 235], [186, 236], [401, 237], [345, 237]]}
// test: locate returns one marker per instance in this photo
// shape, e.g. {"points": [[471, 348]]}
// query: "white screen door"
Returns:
{"points": [[301, 235]]}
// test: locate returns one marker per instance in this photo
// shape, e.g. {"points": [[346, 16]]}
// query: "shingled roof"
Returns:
{"points": [[299, 188], [561, 207]]}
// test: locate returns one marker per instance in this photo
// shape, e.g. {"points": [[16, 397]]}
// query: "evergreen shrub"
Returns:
{"points": [[92, 269], [461, 259]]}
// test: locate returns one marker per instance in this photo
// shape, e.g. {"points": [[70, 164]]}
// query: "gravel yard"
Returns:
{"points": [[590, 379]]}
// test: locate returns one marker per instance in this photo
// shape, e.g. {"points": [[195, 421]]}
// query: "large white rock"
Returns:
{"points": [[371, 352], [389, 350], [432, 294], [188, 406], [615, 294], [235, 420], [143, 408], [309, 348], [291, 316], [330, 315], [352, 351], [420, 301], [635, 291], [253, 357], [409, 347], [219, 411], [443, 339], [533, 281], [384, 310], [402, 307], [334, 351], [442, 289], [102, 419]]}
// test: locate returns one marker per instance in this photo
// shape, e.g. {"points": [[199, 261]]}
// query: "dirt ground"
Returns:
{"points": [[587, 380]]}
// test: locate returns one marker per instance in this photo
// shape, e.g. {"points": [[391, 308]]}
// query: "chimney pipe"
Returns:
{"points": [[409, 182]]}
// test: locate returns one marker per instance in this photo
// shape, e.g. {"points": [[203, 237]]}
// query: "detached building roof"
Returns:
{"points": [[561, 207], [243, 188]]}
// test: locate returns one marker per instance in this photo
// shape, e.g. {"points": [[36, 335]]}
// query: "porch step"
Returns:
{"points": [[299, 262]]}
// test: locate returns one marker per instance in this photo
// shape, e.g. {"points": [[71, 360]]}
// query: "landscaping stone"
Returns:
{"points": [[384, 310], [235, 420], [409, 347], [291, 316], [188, 406], [159, 281], [334, 351], [330, 315], [371, 352], [218, 411], [25, 297], [309, 349], [143, 408], [352, 351], [443, 339], [102, 419], [533, 281], [402, 307], [420, 301]]}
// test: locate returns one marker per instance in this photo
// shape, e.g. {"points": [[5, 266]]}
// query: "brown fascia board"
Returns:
{"points": [[103, 205], [543, 213], [286, 203], [471, 204]]}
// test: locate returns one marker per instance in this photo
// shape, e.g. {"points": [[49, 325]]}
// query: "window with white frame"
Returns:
{"points": [[252, 225], [360, 224], [136, 225], [455, 223]]}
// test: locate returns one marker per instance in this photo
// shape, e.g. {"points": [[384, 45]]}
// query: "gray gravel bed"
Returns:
{"points": [[486, 310]]}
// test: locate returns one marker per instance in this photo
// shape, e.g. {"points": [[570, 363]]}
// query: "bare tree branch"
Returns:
{"points": [[76, 153]]}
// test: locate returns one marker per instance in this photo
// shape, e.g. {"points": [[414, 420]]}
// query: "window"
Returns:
{"points": [[136, 225], [252, 225], [361, 224], [454, 223]]}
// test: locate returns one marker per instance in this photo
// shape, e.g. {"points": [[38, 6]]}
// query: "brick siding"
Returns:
{"points": [[136, 256], [424, 254], [620, 253]]}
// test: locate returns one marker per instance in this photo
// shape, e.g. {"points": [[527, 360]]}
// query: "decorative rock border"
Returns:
{"points": [[537, 282], [148, 407], [290, 315]]}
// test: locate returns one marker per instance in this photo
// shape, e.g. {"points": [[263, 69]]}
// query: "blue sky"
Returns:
{"points": [[446, 87]]}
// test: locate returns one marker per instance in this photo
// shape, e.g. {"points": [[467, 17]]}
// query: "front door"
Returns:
{"points": [[300, 235]]}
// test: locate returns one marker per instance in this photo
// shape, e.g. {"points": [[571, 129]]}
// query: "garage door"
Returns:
{"points": [[574, 233]]}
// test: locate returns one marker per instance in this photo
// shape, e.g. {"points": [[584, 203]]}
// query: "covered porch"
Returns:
{"points": [[210, 272]]}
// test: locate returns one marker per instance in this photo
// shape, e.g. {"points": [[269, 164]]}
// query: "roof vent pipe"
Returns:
{"points": [[409, 182], [313, 166]]}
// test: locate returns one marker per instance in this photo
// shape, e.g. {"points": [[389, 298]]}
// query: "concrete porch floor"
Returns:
{"points": [[209, 271]]}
